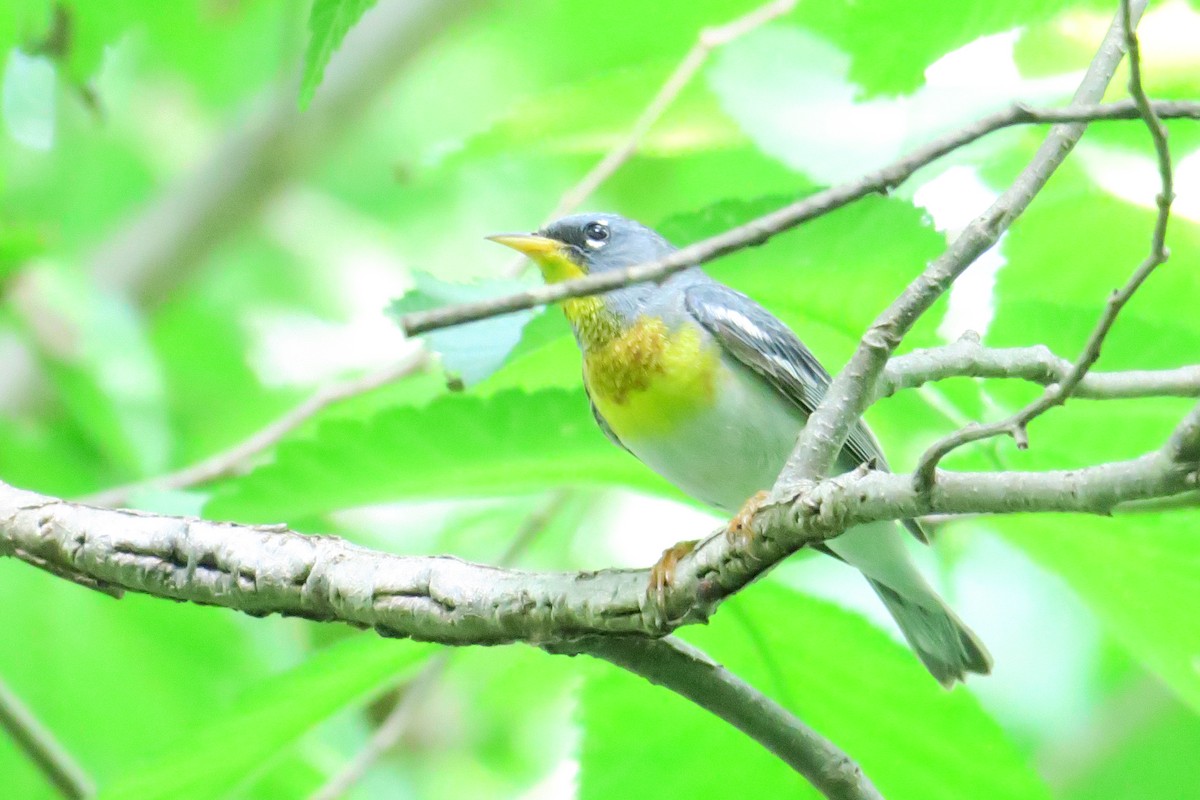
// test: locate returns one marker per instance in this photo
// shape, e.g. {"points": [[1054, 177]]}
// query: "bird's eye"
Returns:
{"points": [[596, 233]]}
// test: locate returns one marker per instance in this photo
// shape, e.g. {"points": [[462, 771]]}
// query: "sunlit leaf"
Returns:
{"points": [[458, 446], [473, 351], [96, 349], [840, 675], [27, 99], [328, 23], [1140, 574], [236, 744]]}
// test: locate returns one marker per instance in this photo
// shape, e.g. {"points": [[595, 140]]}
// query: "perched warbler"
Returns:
{"points": [[710, 390]]}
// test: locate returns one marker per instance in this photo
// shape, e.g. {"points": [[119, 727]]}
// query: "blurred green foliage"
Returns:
{"points": [[109, 108]]}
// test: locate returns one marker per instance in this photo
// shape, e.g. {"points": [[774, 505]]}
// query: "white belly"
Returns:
{"points": [[726, 453]]}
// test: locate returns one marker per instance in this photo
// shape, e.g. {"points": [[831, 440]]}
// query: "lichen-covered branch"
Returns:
{"points": [[266, 570]]}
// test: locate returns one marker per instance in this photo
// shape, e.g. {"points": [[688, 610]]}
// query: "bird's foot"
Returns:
{"points": [[738, 532], [662, 574]]}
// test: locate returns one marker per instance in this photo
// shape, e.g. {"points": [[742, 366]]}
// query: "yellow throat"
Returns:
{"points": [[643, 376]]}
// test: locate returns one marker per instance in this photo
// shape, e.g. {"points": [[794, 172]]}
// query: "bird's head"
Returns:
{"points": [[584, 244]]}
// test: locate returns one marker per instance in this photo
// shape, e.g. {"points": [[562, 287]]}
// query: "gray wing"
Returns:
{"points": [[749, 333]]}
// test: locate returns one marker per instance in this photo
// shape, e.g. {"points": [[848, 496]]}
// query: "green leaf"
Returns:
{"points": [[236, 745], [1139, 574], [328, 23], [891, 43], [128, 672], [457, 446], [1145, 758], [839, 674], [475, 350], [18, 244], [96, 350]]}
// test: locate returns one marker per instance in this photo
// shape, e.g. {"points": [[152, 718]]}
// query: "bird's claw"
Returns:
{"points": [[738, 532], [662, 574]]}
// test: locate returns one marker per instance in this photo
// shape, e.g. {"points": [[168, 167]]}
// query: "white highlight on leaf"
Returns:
{"points": [[828, 132], [27, 99], [953, 199], [356, 259], [1133, 176]]}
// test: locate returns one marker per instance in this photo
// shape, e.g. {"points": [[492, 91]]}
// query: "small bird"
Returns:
{"points": [[710, 390]]}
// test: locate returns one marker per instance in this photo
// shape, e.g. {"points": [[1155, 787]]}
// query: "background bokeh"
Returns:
{"points": [[185, 255]]}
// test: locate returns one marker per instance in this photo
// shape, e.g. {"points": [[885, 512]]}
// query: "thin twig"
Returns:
{"points": [[709, 39], [400, 717], [1057, 393], [761, 229], [389, 731], [239, 457], [967, 357], [42, 748], [682, 668], [850, 392]]}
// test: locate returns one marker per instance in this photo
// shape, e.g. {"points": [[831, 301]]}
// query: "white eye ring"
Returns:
{"points": [[597, 235]]}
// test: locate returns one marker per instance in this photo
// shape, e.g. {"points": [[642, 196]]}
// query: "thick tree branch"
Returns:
{"points": [[42, 748], [759, 230], [683, 669], [967, 357], [850, 392], [1057, 393], [265, 570]]}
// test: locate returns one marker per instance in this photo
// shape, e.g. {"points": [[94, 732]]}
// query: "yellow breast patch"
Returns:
{"points": [[648, 378]]}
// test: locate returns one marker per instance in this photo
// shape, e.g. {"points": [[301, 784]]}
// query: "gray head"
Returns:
{"points": [[583, 244], [600, 242], [586, 244]]}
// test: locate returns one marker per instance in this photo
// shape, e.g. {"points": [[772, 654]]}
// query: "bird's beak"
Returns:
{"points": [[531, 244]]}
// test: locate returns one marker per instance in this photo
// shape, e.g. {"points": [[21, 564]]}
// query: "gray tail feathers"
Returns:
{"points": [[946, 646]]}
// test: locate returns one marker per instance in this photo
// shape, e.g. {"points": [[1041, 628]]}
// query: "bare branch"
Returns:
{"points": [[42, 748], [1184, 446], [264, 570], [1057, 393], [759, 230], [849, 393], [239, 457], [969, 358], [683, 669]]}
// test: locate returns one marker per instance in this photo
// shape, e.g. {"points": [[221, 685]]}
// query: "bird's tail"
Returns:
{"points": [[945, 645]]}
